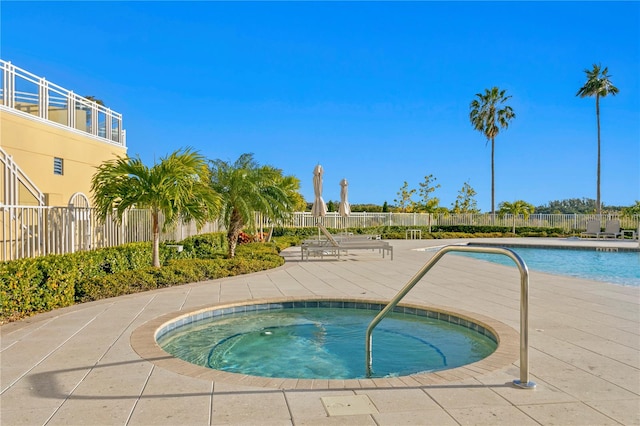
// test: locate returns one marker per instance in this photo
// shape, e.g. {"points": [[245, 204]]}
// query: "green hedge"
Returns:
{"points": [[33, 285], [205, 246], [36, 285], [438, 232]]}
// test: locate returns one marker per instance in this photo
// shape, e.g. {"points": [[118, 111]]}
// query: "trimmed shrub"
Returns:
{"points": [[179, 271], [286, 242], [205, 246], [36, 285]]}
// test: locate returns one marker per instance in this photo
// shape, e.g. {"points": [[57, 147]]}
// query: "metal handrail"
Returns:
{"points": [[524, 382]]}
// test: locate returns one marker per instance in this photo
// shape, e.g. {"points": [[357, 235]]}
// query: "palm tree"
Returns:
{"points": [[488, 115], [177, 187], [598, 85], [247, 188], [515, 209]]}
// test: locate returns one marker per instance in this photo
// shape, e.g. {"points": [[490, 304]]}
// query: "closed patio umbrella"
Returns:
{"points": [[319, 208], [344, 209]]}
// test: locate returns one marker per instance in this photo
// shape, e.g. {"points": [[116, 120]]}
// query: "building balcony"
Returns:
{"points": [[32, 96]]}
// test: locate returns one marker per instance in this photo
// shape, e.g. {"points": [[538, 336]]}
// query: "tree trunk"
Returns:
{"points": [[493, 181], [156, 239], [598, 204], [235, 226]]}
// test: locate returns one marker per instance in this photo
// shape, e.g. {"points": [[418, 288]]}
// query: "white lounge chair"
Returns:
{"points": [[611, 229], [332, 246], [593, 229]]}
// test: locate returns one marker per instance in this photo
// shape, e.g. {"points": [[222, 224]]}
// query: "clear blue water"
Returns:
{"points": [[325, 343], [621, 267]]}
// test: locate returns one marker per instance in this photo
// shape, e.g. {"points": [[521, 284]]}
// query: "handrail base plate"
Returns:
{"points": [[520, 385]]}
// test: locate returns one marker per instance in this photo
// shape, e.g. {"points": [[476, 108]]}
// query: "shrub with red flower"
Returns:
{"points": [[244, 238]]}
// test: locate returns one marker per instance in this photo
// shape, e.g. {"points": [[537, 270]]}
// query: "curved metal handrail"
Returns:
{"points": [[524, 305]]}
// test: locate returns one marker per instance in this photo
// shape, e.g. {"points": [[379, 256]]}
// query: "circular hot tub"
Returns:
{"points": [[324, 338]]}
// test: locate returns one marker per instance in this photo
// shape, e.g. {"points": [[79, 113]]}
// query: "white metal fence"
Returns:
{"points": [[37, 231], [29, 231], [567, 222]]}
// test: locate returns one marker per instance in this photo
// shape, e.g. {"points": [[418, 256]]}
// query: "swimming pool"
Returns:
{"points": [[600, 264], [325, 340]]}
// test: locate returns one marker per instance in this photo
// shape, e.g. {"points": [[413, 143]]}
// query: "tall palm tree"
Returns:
{"points": [[515, 209], [177, 187], [598, 85], [246, 188], [488, 115]]}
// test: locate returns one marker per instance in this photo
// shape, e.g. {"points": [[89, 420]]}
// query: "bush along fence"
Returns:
{"points": [[41, 284], [29, 231]]}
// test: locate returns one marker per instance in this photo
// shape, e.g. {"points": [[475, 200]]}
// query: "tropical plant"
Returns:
{"points": [[515, 209], [569, 206], [598, 85], [631, 210], [299, 203], [367, 207], [94, 99], [488, 115], [404, 201], [428, 204], [465, 201], [176, 187], [245, 188]]}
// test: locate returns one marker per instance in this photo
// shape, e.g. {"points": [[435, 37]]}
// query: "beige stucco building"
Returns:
{"points": [[51, 140]]}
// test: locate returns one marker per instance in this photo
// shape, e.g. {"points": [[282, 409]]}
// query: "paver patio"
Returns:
{"points": [[77, 366]]}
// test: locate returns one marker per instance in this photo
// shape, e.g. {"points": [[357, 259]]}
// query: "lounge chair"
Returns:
{"points": [[593, 229], [611, 229], [335, 245]]}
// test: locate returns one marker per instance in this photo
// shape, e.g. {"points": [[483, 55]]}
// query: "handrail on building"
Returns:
{"points": [[523, 382], [13, 177], [38, 98]]}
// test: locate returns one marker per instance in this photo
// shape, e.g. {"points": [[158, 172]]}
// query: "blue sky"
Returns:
{"points": [[376, 92]]}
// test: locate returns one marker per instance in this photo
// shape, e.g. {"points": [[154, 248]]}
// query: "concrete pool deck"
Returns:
{"points": [[77, 365]]}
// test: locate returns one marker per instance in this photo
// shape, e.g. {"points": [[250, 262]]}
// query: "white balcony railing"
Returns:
{"points": [[26, 93]]}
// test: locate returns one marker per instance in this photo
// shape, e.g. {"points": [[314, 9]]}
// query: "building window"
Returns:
{"points": [[57, 166]]}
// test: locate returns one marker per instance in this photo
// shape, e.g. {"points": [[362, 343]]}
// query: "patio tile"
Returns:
{"points": [[348, 405], [267, 407], [27, 416], [399, 400], [306, 405], [493, 415], [93, 411], [625, 411], [465, 396], [361, 420], [170, 398], [570, 413], [435, 417]]}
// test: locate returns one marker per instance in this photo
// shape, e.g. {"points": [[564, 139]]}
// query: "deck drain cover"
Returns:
{"points": [[349, 405]]}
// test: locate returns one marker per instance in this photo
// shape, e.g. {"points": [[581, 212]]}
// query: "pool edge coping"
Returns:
{"points": [[507, 353]]}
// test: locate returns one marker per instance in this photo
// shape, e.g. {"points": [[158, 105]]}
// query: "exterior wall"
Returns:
{"points": [[33, 144]]}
